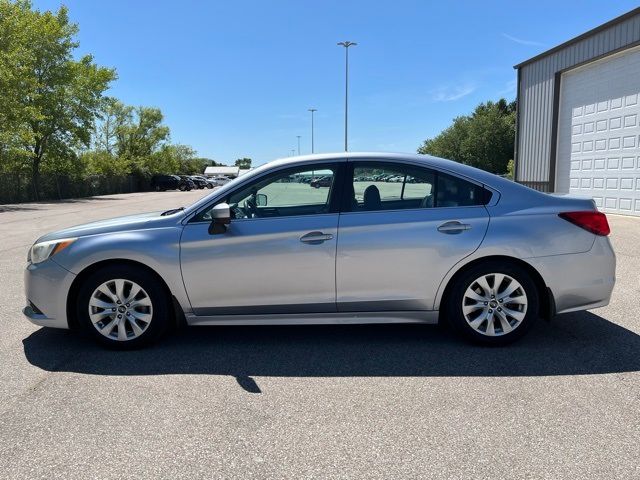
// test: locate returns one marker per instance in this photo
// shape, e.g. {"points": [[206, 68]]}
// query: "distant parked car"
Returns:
{"points": [[322, 182], [187, 179], [160, 183], [209, 183], [198, 181], [221, 180]]}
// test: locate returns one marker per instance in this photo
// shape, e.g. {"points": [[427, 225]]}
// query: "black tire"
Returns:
{"points": [[209, 186], [454, 305], [182, 187], [161, 306], [158, 188]]}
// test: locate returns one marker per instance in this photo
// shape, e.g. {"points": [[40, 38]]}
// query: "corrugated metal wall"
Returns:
{"points": [[535, 95]]}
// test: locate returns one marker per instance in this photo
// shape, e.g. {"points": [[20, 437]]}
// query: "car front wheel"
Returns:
{"points": [[493, 303], [123, 307]]}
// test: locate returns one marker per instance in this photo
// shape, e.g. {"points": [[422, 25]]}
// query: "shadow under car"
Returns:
{"points": [[573, 344]]}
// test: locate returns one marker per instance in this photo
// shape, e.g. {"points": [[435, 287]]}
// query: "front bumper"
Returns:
{"points": [[580, 281], [46, 287]]}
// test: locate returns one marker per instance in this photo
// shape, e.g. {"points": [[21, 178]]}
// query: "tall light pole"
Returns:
{"points": [[298, 144], [312, 110], [346, 46]]}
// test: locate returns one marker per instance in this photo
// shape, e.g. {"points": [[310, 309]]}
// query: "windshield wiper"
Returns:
{"points": [[172, 211]]}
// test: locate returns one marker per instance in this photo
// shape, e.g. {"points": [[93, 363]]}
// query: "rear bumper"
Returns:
{"points": [[46, 286], [579, 281]]}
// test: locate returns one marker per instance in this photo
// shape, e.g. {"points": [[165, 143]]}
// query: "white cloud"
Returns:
{"points": [[450, 94], [522, 42]]}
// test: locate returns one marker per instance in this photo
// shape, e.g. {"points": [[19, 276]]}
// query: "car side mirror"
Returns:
{"points": [[220, 218], [261, 200]]}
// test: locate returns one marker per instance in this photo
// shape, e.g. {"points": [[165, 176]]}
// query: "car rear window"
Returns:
{"points": [[455, 192]]}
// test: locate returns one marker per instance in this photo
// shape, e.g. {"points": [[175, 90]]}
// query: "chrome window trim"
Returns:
{"points": [[235, 220], [409, 210]]}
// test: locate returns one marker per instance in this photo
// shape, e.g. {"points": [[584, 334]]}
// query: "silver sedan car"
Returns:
{"points": [[446, 242]]}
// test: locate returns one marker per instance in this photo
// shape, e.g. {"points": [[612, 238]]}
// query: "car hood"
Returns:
{"points": [[118, 224]]}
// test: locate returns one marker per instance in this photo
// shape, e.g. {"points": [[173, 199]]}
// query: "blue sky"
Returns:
{"points": [[235, 78]]}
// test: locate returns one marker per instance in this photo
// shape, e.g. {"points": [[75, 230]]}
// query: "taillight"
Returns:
{"points": [[592, 221]]}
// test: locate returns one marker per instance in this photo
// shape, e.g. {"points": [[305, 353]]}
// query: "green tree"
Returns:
{"points": [[484, 139], [172, 159], [114, 116], [51, 100], [511, 169], [101, 162], [15, 78], [244, 163], [143, 140], [164, 160], [207, 162], [135, 140]]}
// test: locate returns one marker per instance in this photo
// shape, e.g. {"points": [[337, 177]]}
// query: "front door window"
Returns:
{"points": [[293, 192]]}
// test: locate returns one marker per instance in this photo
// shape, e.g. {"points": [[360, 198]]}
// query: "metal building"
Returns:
{"points": [[231, 172], [578, 123]]}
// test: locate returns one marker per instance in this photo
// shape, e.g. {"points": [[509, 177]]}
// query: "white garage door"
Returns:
{"points": [[599, 133]]}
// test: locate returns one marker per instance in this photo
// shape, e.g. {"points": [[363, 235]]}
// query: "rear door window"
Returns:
{"points": [[381, 186], [396, 186]]}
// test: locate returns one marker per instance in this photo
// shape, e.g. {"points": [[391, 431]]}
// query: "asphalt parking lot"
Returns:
{"points": [[326, 402]]}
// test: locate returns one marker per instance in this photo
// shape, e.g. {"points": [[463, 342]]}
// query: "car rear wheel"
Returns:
{"points": [[123, 307], [182, 187], [493, 303]]}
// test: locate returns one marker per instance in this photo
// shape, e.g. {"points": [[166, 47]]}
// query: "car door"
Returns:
{"points": [[402, 228], [277, 254]]}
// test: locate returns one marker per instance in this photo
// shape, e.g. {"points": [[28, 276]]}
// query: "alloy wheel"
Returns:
{"points": [[120, 309], [494, 304]]}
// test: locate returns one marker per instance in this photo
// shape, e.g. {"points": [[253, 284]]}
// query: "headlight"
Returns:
{"points": [[43, 250]]}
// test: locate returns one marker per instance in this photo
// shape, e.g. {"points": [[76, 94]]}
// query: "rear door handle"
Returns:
{"points": [[315, 238], [453, 227]]}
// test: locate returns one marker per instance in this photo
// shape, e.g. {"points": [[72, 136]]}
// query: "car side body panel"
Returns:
{"points": [[46, 287], [157, 248], [261, 265], [569, 259], [394, 260], [579, 281]]}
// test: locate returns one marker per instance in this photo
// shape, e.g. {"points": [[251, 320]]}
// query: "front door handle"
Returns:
{"points": [[314, 238], [454, 227]]}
